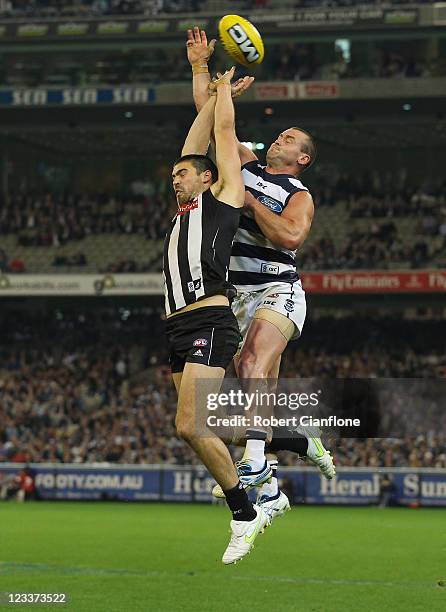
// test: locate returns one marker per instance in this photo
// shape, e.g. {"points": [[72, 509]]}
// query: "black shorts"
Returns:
{"points": [[208, 335]]}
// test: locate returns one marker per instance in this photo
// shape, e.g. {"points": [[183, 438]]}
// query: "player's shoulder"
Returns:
{"points": [[297, 184], [253, 165]]}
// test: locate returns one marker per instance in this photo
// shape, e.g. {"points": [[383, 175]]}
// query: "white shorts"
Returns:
{"points": [[285, 298]]}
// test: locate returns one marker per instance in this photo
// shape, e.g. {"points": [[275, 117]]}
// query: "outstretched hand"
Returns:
{"points": [[238, 88], [225, 78], [198, 49]]}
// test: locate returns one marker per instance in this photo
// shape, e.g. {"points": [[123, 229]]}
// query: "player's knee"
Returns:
{"points": [[184, 428], [250, 366]]}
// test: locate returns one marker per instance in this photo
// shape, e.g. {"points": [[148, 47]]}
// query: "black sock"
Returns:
{"points": [[255, 434], [282, 441], [239, 504]]}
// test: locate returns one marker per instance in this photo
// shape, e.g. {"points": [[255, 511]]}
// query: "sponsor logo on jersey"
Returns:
{"points": [[200, 342], [262, 185], [272, 295], [269, 303], [198, 353], [187, 207], [271, 203], [266, 268], [289, 305], [194, 285]]}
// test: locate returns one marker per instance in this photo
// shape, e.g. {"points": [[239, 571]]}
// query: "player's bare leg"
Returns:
{"points": [[258, 358], [248, 520], [211, 450]]}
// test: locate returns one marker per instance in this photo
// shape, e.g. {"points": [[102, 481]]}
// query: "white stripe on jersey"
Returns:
{"points": [[252, 264], [194, 239], [166, 296], [271, 189], [173, 266], [262, 241], [276, 190]]}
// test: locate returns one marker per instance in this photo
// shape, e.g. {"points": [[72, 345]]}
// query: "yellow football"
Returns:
{"points": [[241, 40]]}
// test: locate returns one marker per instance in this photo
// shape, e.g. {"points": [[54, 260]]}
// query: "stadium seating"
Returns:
{"points": [[101, 393], [402, 229]]}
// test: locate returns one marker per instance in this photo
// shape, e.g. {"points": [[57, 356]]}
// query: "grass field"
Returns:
{"points": [[131, 557]]}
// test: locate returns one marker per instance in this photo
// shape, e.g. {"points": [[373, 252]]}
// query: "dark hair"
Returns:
{"points": [[201, 163], [308, 147]]}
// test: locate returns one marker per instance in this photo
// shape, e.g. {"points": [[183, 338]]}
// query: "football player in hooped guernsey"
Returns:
{"points": [[202, 330], [270, 304]]}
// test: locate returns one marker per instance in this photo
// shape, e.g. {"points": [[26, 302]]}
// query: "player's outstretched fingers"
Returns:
{"points": [[229, 73], [197, 35], [212, 46], [241, 85]]}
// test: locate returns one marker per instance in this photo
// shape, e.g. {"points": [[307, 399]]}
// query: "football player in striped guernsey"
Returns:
{"points": [[270, 305], [201, 328]]}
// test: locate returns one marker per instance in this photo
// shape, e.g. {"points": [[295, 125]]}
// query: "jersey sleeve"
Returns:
{"points": [[251, 165], [296, 187]]}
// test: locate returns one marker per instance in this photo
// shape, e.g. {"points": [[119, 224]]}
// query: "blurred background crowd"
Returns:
{"points": [[85, 386], [85, 187], [362, 222], [94, 8], [286, 61]]}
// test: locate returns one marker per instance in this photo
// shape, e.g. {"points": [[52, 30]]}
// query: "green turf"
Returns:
{"points": [[131, 557]]}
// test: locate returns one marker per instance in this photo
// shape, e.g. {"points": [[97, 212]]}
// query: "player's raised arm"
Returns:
{"points": [[230, 187], [290, 229], [198, 54], [197, 140]]}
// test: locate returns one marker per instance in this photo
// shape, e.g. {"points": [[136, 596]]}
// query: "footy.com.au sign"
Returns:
{"points": [[403, 486]]}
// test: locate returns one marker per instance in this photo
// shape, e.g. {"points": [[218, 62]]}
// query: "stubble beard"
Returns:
{"points": [[273, 160]]}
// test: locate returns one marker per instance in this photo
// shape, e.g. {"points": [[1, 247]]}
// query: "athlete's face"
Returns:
{"points": [[286, 150], [187, 183]]}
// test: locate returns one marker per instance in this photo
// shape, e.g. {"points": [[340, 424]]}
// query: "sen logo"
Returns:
{"points": [[200, 342], [240, 37]]}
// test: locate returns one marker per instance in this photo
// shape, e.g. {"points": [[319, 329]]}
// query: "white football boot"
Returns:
{"points": [[316, 453], [248, 478], [274, 506], [243, 534]]}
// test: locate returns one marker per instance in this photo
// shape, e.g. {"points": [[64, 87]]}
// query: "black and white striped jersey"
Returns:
{"points": [[255, 261], [197, 250]]}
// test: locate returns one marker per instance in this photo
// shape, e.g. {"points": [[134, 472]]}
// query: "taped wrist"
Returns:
{"points": [[199, 68]]}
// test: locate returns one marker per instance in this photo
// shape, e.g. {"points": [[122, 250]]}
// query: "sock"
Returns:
{"points": [[255, 448], [271, 489], [239, 504], [282, 441]]}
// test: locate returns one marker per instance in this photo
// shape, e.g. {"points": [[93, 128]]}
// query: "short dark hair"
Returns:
{"points": [[308, 147], [201, 163]]}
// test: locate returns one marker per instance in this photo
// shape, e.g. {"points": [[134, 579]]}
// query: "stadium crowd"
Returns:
{"points": [[83, 387], [95, 8], [379, 247], [52, 221], [285, 61], [301, 62]]}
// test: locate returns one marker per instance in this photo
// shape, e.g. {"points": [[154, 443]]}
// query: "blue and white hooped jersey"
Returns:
{"points": [[255, 261]]}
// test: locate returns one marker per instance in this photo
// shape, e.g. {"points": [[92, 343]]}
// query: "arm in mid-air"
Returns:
{"points": [[290, 229], [197, 140], [229, 187], [198, 54]]}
